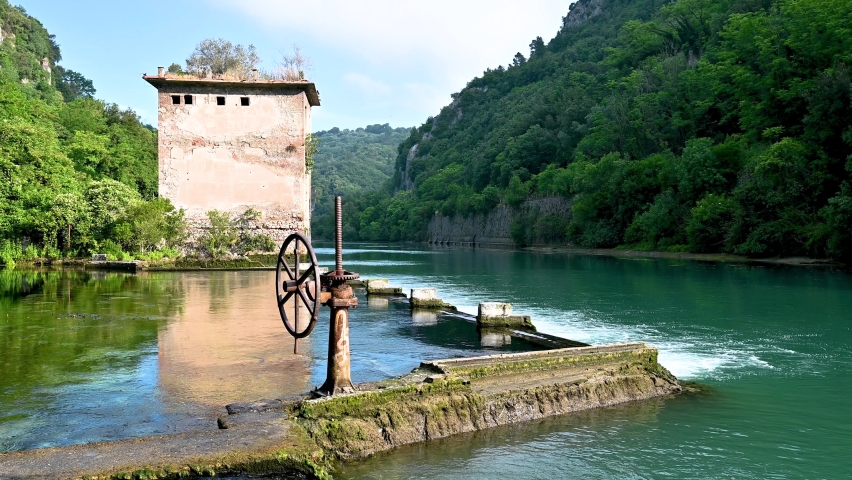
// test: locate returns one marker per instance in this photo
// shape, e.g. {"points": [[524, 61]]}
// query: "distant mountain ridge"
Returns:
{"points": [[350, 162]]}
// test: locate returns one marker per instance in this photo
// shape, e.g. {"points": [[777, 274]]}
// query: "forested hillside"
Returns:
{"points": [[77, 175], [348, 162], [702, 125]]}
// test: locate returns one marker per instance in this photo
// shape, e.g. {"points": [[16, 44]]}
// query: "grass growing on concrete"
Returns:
{"points": [[647, 357]]}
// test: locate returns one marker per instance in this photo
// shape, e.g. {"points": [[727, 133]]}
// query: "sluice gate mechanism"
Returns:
{"points": [[301, 289]]}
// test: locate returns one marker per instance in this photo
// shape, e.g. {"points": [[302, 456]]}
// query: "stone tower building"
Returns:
{"points": [[229, 145]]}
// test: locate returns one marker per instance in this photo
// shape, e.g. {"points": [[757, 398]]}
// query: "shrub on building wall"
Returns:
{"points": [[233, 236], [311, 148]]}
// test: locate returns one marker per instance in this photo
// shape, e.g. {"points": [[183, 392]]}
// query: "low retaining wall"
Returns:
{"points": [[493, 228], [304, 437], [448, 397]]}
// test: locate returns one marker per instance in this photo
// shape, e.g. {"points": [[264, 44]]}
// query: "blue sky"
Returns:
{"points": [[377, 61]]}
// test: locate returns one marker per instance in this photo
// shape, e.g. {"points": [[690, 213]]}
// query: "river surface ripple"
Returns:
{"points": [[774, 346]]}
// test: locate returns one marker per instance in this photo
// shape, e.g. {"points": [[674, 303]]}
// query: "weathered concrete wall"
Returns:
{"points": [[300, 437], [492, 228], [232, 157], [483, 392]]}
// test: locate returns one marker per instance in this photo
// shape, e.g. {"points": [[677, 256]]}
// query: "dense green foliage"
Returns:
{"points": [[711, 126], [347, 162], [69, 163]]}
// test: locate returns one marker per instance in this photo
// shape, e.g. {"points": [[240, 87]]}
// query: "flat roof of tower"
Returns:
{"points": [[309, 88]]}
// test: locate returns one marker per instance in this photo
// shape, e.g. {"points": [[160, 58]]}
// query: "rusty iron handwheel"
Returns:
{"points": [[293, 285]]}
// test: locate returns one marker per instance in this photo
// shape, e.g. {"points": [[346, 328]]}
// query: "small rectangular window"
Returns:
{"points": [[244, 101], [175, 99], [220, 100], [187, 99]]}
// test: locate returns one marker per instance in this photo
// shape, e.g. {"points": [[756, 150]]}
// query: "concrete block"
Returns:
{"points": [[424, 294], [379, 286], [494, 309], [497, 314], [99, 257], [428, 298], [377, 283], [521, 322]]}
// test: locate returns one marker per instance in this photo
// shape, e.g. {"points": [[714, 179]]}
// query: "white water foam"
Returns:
{"points": [[696, 355]]}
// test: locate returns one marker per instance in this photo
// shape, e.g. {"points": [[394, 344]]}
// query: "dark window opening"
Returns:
{"points": [[175, 99], [187, 99], [244, 101], [220, 100]]}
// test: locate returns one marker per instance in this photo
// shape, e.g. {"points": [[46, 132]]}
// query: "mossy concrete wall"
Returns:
{"points": [[456, 396], [303, 437]]}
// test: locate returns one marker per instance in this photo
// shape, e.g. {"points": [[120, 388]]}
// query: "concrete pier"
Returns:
{"points": [[498, 314], [427, 298], [380, 286]]}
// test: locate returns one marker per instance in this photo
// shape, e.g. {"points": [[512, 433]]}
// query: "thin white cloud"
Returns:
{"points": [[367, 85], [416, 53], [424, 97], [450, 32]]}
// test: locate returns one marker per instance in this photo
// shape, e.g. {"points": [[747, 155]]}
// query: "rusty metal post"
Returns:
{"points": [[342, 298]]}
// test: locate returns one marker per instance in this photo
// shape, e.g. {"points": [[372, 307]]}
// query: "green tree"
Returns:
{"points": [[149, 225], [220, 236], [516, 192], [73, 85], [709, 223], [221, 57]]}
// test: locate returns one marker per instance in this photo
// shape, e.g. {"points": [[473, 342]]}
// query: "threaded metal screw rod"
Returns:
{"points": [[342, 298], [338, 234]]}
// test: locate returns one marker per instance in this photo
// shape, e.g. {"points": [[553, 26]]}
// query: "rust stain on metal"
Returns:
{"points": [[342, 299]]}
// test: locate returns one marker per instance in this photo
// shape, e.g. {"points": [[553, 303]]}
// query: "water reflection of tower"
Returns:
{"points": [[227, 345]]}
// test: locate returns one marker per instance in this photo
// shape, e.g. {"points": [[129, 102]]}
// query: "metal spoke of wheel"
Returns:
{"points": [[295, 288]]}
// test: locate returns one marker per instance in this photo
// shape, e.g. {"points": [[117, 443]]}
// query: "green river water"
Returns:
{"points": [[96, 356]]}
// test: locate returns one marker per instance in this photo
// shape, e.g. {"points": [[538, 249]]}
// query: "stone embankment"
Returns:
{"points": [[493, 228], [304, 436]]}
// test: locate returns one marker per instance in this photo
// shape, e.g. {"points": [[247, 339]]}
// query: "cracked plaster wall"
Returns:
{"points": [[232, 157]]}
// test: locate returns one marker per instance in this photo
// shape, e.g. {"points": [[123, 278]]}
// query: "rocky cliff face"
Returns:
{"points": [[581, 11], [494, 228]]}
